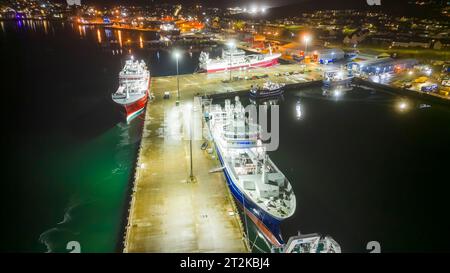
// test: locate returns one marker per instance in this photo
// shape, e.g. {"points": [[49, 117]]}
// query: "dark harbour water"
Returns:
{"points": [[362, 170], [68, 157]]}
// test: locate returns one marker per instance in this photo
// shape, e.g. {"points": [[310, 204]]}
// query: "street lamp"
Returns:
{"points": [[230, 45], [191, 175], [306, 39], [177, 57]]}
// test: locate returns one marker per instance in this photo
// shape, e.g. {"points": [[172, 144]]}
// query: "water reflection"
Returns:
{"points": [[267, 101], [403, 106], [108, 33], [45, 27], [298, 110], [99, 36], [119, 34]]}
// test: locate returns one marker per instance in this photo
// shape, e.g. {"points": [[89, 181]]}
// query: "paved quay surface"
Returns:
{"points": [[168, 213]]}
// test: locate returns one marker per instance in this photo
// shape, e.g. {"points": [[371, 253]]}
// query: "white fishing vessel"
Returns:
{"points": [[233, 59], [257, 184], [132, 93]]}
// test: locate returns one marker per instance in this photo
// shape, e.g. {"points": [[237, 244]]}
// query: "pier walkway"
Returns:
{"points": [[167, 212]]}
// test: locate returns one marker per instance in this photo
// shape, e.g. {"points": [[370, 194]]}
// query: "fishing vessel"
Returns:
{"points": [[336, 82], [233, 59], [269, 89], [132, 93], [258, 186]]}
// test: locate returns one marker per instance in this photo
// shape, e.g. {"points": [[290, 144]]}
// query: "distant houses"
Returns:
{"points": [[413, 43], [356, 37]]}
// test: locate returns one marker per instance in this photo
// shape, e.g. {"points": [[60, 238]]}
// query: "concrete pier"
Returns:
{"points": [[167, 212], [204, 83]]}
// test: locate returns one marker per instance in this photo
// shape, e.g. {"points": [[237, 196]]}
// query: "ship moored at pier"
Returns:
{"points": [[132, 93], [258, 186], [233, 59]]}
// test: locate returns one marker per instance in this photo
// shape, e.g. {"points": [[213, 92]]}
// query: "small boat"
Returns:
{"points": [[310, 243], [336, 82], [269, 89]]}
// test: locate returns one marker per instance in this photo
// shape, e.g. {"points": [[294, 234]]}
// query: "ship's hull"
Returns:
{"points": [[268, 225], [130, 111], [269, 61]]}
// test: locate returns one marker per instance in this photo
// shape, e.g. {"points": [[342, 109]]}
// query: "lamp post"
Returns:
{"points": [[191, 175], [306, 39], [230, 45], [177, 57]]}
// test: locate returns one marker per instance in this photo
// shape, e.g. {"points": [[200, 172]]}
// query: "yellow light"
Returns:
{"points": [[99, 36], [307, 38]]}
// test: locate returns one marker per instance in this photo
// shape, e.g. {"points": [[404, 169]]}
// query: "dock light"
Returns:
{"points": [[306, 39], [410, 72], [337, 93]]}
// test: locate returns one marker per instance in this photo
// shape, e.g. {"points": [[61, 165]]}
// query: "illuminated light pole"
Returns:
{"points": [[230, 45], [306, 39], [177, 57], [191, 175]]}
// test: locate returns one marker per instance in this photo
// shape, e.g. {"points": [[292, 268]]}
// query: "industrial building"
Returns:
{"points": [[325, 56], [383, 65]]}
